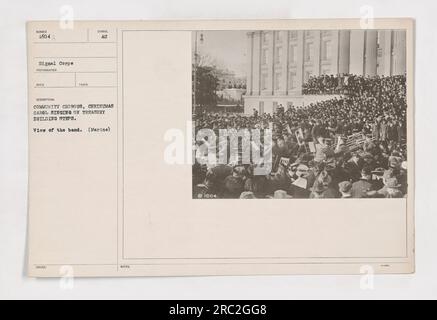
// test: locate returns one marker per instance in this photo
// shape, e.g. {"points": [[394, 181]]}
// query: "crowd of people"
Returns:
{"points": [[373, 108], [349, 84]]}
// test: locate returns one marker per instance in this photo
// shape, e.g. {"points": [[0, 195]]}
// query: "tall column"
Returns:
{"points": [[356, 65], [371, 52], [335, 38], [317, 52], [249, 75], [300, 61], [385, 48], [271, 64], [256, 69], [284, 62], [399, 63], [344, 43]]}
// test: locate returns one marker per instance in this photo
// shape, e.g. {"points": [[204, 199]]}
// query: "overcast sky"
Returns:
{"points": [[227, 48]]}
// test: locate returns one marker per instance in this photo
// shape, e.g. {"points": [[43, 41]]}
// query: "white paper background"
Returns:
{"points": [[13, 157]]}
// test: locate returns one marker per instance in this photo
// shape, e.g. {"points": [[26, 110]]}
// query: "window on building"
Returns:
{"points": [[292, 80], [326, 50], [264, 81], [309, 51], [278, 55], [265, 56], [326, 33], [293, 54], [278, 81], [308, 34]]}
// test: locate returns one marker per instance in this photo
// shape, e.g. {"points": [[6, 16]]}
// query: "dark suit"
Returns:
{"points": [[360, 188]]}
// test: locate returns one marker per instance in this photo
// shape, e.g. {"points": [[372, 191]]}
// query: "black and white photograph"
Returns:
{"points": [[299, 114]]}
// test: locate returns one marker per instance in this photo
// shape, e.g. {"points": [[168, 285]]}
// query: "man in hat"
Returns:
{"points": [[216, 176], [290, 144], [390, 182], [394, 161], [393, 190], [361, 187], [345, 189], [247, 195], [280, 148], [331, 189], [234, 184], [317, 131], [258, 185], [300, 186], [368, 160], [318, 190], [353, 166], [281, 194], [322, 187]]}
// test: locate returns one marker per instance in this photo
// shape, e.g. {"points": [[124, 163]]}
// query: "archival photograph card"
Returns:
{"points": [[245, 147]]}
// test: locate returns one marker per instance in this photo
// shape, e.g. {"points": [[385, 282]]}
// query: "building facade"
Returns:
{"points": [[234, 95], [228, 80], [279, 62]]}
